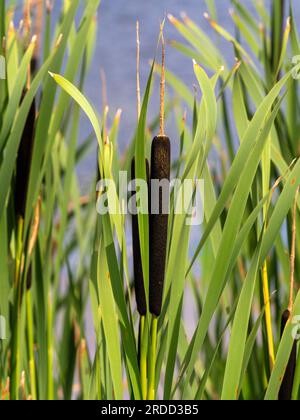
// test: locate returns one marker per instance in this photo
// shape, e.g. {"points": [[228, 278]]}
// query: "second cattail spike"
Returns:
{"points": [[162, 86]]}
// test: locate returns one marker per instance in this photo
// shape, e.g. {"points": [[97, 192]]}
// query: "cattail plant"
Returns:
{"points": [[23, 166], [26, 144], [22, 175], [21, 186], [137, 260], [139, 281], [139, 286], [286, 389], [160, 170], [158, 226], [138, 269]]}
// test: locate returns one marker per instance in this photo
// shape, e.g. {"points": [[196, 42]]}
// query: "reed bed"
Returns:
{"points": [[67, 271]]}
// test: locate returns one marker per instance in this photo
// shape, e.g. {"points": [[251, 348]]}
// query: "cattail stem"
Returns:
{"points": [[162, 88], [16, 340], [286, 390], [50, 393], [30, 338], [15, 358], [292, 256], [285, 393], [143, 345], [152, 359]]}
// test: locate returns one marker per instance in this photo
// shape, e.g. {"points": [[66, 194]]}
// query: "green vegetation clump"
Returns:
{"points": [[66, 271]]}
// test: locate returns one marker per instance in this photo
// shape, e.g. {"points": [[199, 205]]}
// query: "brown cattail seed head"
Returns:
{"points": [[24, 162], [137, 259], [158, 226]]}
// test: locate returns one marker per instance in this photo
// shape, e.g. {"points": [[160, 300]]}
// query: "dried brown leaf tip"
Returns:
{"points": [[173, 20], [35, 226], [237, 65], [49, 6], [27, 16], [212, 22], [5, 392]]}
